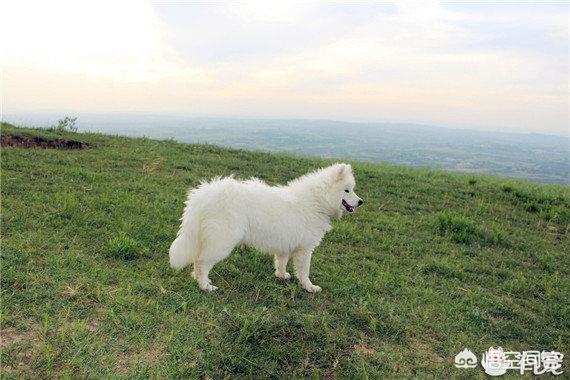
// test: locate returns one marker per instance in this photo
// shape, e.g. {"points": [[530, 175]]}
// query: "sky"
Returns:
{"points": [[492, 66]]}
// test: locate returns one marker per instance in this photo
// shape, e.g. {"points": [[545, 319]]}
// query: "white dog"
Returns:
{"points": [[285, 221]]}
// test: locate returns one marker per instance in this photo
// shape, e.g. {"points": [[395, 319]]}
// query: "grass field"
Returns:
{"points": [[433, 263]]}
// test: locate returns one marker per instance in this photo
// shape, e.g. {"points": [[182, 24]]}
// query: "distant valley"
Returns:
{"points": [[536, 157]]}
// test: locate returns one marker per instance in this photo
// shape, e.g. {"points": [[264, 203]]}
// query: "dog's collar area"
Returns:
{"points": [[348, 207]]}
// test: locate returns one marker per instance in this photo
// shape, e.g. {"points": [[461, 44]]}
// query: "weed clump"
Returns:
{"points": [[462, 230], [553, 209], [123, 247], [495, 236], [459, 228]]}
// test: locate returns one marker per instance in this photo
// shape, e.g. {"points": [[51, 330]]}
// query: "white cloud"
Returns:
{"points": [[269, 11]]}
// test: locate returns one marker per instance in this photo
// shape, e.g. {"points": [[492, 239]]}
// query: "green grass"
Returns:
{"points": [[433, 263]]}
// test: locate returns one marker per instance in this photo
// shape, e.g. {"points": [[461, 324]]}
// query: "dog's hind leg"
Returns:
{"points": [[201, 271], [280, 262], [212, 252]]}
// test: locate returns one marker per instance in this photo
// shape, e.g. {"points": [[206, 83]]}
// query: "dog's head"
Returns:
{"points": [[342, 195]]}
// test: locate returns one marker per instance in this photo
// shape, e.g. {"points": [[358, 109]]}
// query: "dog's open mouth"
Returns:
{"points": [[348, 207]]}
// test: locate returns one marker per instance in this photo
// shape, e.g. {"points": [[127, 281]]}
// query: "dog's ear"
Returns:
{"points": [[343, 170]]}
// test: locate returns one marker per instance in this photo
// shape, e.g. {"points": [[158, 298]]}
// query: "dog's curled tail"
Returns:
{"points": [[184, 248]]}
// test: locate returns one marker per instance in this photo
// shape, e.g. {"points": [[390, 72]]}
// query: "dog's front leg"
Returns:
{"points": [[302, 263], [280, 262]]}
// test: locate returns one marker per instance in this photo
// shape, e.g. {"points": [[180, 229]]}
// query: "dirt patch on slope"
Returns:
{"points": [[10, 336], [40, 142], [19, 347]]}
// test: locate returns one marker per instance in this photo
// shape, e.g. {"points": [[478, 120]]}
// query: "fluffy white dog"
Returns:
{"points": [[285, 221]]}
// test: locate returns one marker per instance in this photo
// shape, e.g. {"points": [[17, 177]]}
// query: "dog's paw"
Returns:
{"points": [[283, 276], [313, 288], [208, 288]]}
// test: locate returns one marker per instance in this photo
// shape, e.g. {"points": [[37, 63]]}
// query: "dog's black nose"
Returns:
{"points": [[360, 202]]}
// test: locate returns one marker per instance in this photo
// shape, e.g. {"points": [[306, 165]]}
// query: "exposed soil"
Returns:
{"points": [[40, 142], [20, 345]]}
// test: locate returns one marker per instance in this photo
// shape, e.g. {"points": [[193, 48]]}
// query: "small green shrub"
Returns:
{"points": [[561, 216], [532, 206], [546, 262], [522, 197], [472, 181], [459, 228], [495, 236], [67, 124], [123, 247], [507, 188]]}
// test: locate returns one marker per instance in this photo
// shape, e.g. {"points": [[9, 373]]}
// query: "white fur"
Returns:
{"points": [[285, 221]]}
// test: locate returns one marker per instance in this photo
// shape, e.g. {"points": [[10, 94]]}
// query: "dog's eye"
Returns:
{"points": [[347, 191]]}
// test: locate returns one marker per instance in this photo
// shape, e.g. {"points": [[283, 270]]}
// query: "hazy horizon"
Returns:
{"points": [[47, 119], [485, 66], [532, 156]]}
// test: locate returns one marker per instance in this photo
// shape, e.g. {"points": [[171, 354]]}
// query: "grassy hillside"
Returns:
{"points": [[433, 263]]}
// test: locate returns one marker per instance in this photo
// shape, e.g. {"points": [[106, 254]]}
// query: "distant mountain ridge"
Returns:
{"points": [[535, 157]]}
